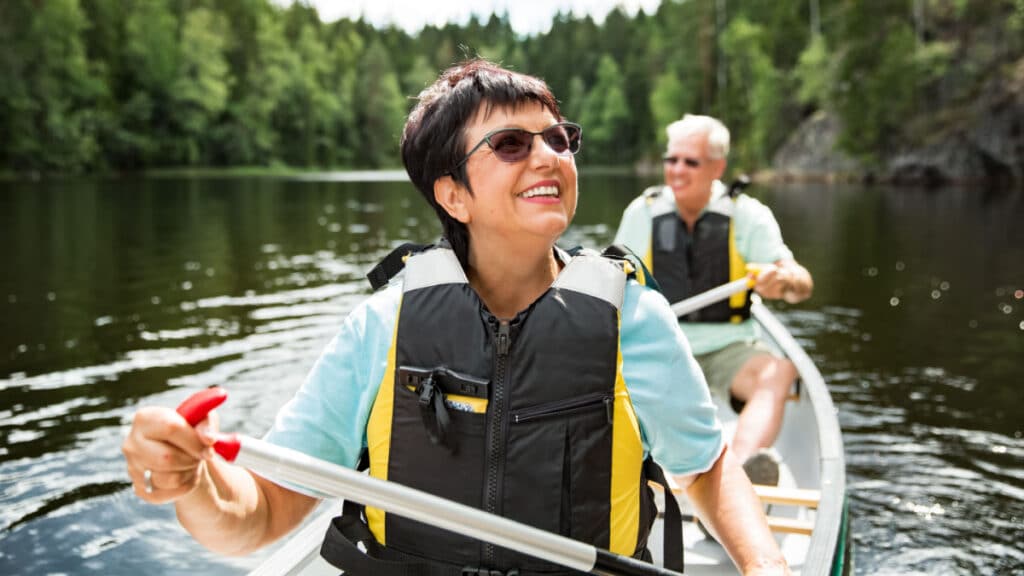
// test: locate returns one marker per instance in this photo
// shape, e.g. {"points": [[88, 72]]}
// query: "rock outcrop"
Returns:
{"points": [[984, 144]]}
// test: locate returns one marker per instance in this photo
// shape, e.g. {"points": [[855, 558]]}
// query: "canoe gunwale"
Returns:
{"points": [[821, 551]]}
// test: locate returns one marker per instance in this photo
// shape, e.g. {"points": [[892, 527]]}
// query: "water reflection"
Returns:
{"points": [[120, 292]]}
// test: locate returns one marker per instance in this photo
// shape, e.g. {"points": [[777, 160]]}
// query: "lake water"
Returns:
{"points": [[121, 292]]}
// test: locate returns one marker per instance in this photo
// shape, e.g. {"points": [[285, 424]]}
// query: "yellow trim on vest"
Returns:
{"points": [[648, 258], [378, 432], [627, 461], [461, 403], [737, 270]]}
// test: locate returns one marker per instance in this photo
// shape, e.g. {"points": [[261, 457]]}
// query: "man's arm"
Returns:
{"points": [[726, 502]]}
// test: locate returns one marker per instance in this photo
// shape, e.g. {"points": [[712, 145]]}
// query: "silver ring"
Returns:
{"points": [[147, 480]]}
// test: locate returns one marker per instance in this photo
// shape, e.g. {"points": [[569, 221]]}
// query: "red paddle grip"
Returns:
{"points": [[228, 445], [195, 408]]}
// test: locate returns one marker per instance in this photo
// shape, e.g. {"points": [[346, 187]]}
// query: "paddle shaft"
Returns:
{"points": [[693, 303], [282, 464]]}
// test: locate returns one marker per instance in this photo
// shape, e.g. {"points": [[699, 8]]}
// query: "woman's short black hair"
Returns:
{"points": [[433, 140]]}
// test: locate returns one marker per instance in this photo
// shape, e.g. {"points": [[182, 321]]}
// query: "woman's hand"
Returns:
{"points": [[166, 456]]}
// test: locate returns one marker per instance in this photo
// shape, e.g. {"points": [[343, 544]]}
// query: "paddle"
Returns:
{"points": [[292, 466], [693, 303]]}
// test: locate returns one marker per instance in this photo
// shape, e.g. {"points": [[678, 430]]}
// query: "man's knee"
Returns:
{"points": [[764, 372]]}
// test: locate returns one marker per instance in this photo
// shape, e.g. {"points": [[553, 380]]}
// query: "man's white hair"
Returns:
{"points": [[717, 133]]}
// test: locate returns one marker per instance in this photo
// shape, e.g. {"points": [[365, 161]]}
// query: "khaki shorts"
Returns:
{"points": [[721, 366]]}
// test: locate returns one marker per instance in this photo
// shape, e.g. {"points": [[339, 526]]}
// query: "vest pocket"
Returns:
{"points": [[417, 461], [441, 391], [553, 484], [537, 489], [566, 407]]}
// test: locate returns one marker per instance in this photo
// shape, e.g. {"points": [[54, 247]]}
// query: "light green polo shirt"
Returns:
{"points": [[758, 240]]}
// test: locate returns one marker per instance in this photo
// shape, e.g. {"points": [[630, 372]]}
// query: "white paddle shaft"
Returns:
{"points": [[282, 464], [693, 303]]}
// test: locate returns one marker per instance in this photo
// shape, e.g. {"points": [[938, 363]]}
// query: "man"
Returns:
{"points": [[694, 235]]}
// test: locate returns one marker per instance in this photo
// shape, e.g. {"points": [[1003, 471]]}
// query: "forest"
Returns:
{"points": [[94, 86]]}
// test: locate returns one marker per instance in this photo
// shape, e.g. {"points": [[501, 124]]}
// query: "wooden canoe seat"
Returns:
{"points": [[803, 497], [790, 525], [788, 496], [770, 494]]}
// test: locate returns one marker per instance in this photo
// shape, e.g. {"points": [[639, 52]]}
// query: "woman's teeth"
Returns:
{"points": [[551, 191]]}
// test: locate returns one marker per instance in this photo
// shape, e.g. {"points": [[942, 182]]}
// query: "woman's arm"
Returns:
{"points": [[233, 511], [225, 507], [726, 501]]}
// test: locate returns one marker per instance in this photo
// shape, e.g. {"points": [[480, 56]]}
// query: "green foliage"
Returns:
{"points": [[605, 115], [128, 84], [755, 95], [246, 134], [878, 79], [49, 117], [199, 93], [668, 98], [814, 74], [1016, 20], [381, 109]]}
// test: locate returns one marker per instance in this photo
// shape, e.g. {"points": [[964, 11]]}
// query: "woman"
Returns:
{"points": [[493, 371]]}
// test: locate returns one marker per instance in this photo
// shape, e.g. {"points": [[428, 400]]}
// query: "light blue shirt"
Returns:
{"points": [[327, 417], [758, 240]]}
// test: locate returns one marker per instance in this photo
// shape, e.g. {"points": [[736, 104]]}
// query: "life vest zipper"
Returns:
{"points": [[568, 406], [496, 450]]}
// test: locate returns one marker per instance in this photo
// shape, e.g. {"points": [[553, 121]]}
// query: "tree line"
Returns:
{"points": [[101, 85]]}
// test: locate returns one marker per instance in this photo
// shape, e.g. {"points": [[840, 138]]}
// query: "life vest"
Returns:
{"points": [[687, 263], [529, 419]]}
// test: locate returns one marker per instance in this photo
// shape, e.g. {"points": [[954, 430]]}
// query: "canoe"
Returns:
{"points": [[807, 510]]}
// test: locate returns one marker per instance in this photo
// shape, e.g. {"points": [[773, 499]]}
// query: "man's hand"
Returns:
{"points": [[784, 280]]}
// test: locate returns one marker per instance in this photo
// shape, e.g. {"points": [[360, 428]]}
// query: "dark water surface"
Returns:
{"points": [[116, 293]]}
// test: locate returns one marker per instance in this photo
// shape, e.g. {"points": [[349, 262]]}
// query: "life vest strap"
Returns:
{"points": [[640, 272], [348, 531], [435, 416], [672, 556], [340, 549], [392, 264]]}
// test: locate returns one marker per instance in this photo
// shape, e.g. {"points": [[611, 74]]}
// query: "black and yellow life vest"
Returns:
{"points": [[528, 419], [687, 263]]}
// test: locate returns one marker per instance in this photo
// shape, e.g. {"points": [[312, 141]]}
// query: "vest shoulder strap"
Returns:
{"points": [[635, 269], [392, 264], [592, 274], [652, 192]]}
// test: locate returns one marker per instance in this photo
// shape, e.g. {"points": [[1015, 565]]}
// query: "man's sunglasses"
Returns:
{"points": [[514, 144], [672, 160]]}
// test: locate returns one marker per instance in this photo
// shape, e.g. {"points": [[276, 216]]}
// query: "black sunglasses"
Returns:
{"points": [[690, 162], [514, 144]]}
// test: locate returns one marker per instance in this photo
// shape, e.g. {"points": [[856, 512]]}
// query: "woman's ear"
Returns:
{"points": [[452, 197]]}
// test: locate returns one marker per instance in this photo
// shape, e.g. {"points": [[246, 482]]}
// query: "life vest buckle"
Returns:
{"points": [[427, 391]]}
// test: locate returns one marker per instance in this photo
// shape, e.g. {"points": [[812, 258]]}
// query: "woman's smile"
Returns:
{"points": [[546, 192]]}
